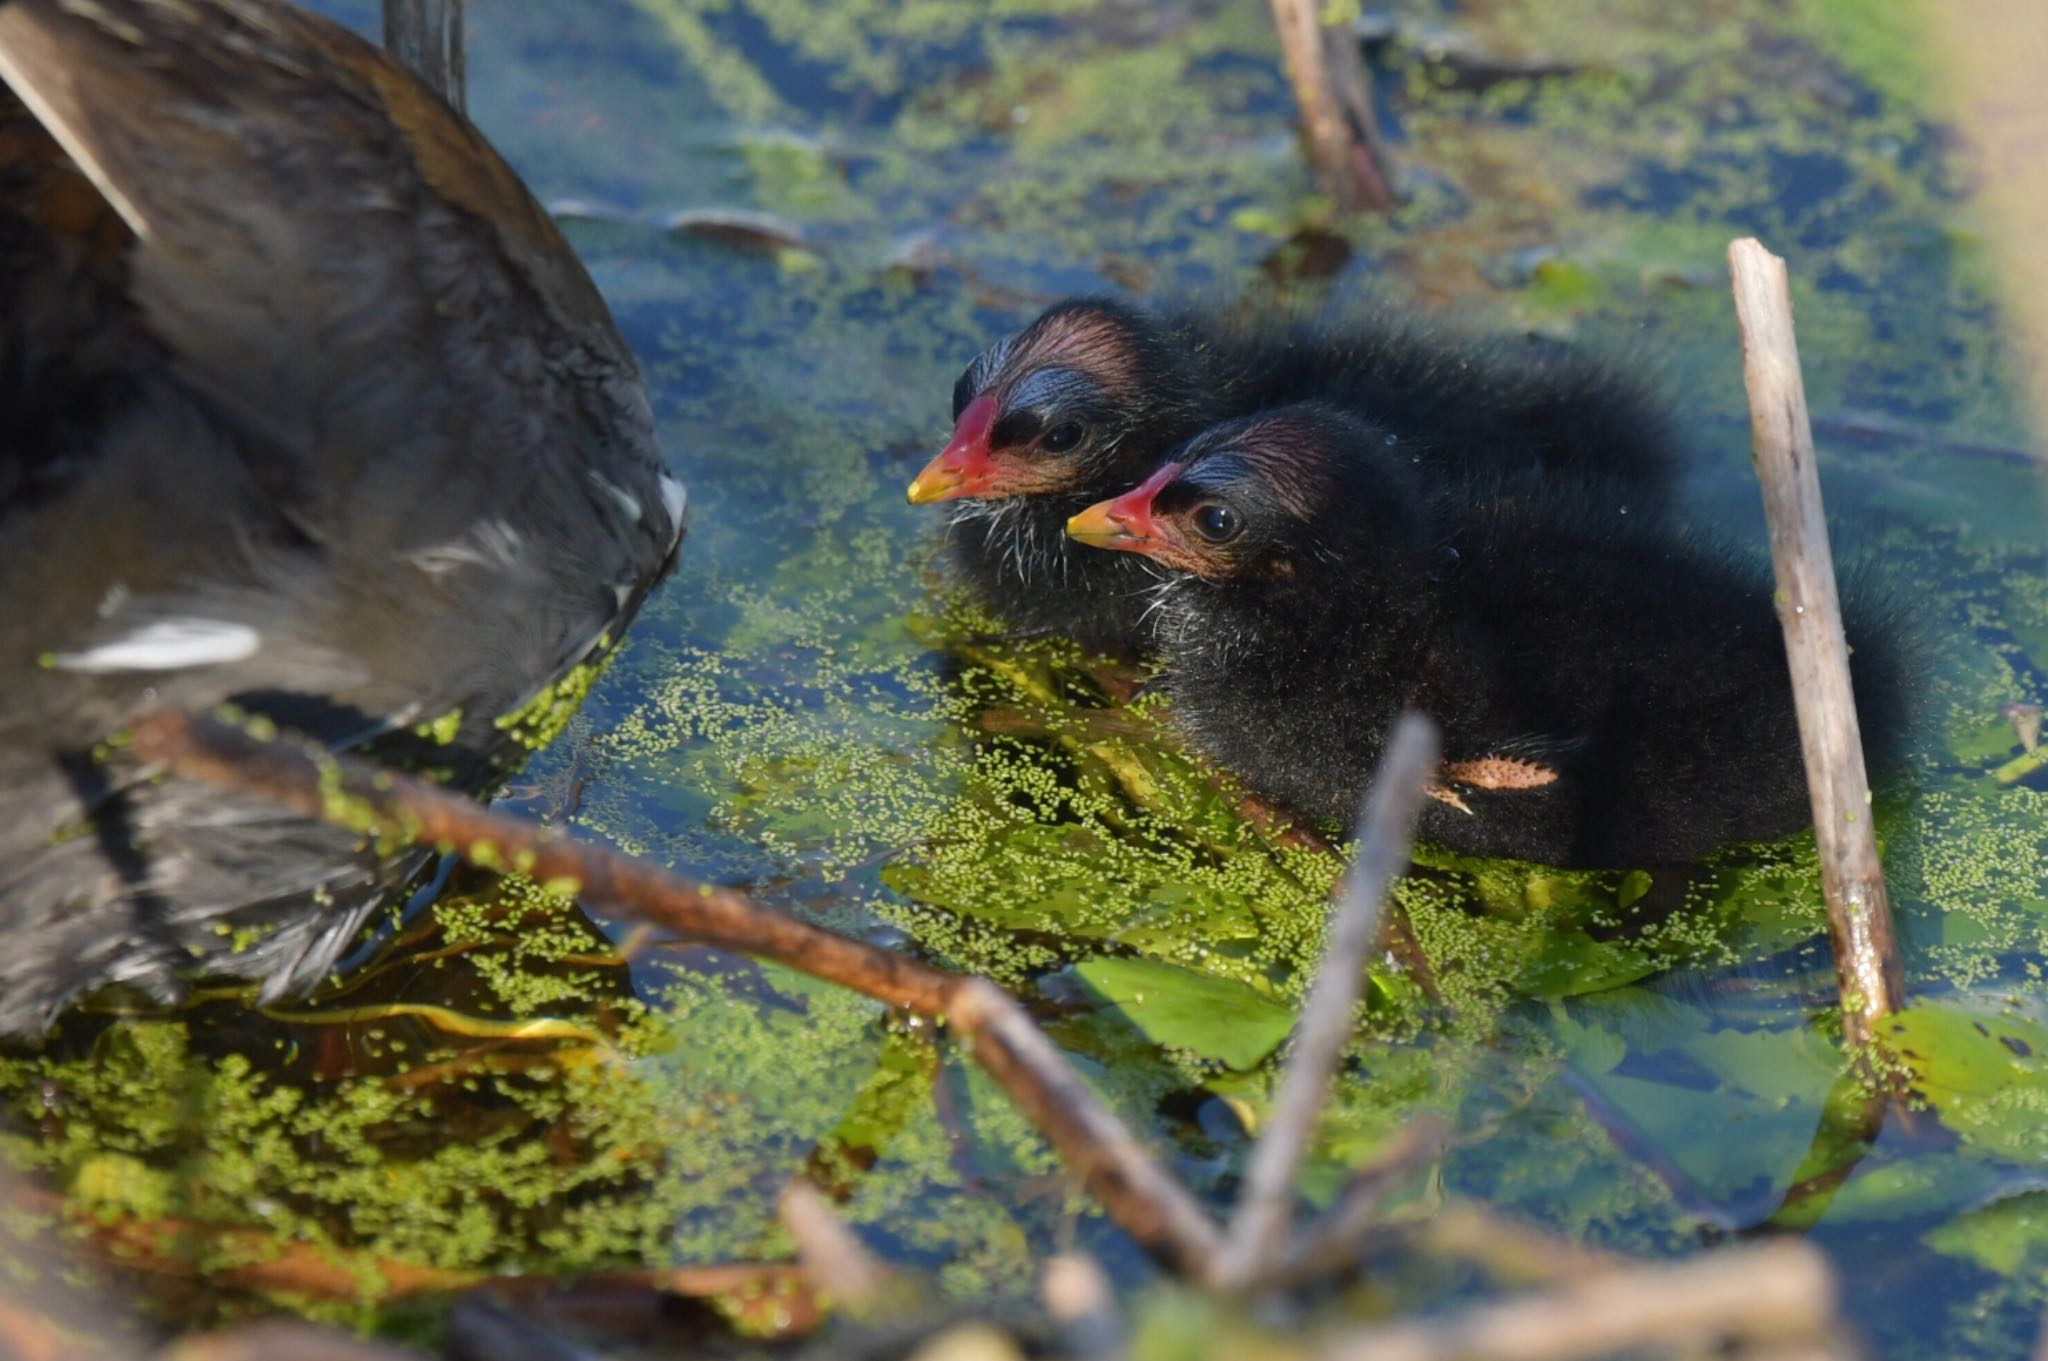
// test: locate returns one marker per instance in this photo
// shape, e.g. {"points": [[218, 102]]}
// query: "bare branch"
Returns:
{"points": [[838, 1262], [1327, 71], [278, 1340], [1386, 824], [1079, 1297], [1140, 1195], [1332, 1242], [1867, 969], [1147, 1200], [317, 785], [1780, 1293], [1512, 1251]]}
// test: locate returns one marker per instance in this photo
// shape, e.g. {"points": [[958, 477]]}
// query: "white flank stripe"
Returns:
{"points": [[167, 645], [627, 501], [677, 500]]}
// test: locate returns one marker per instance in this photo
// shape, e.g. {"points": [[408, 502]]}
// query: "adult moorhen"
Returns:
{"points": [[1611, 692], [305, 405], [1084, 402]]}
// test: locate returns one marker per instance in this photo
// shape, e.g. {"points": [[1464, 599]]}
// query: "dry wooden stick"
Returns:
{"points": [[1511, 1251], [316, 785], [1331, 1243], [1327, 71], [25, 1333], [426, 38], [1078, 1295], [1867, 969], [1984, 57], [838, 1262], [1150, 1204], [1147, 1200], [1783, 1292], [1265, 1212], [37, 1323], [278, 1340]]}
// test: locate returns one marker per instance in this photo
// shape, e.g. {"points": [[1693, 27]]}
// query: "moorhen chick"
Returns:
{"points": [[305, 405], [1611, 692], [1085, 401]]}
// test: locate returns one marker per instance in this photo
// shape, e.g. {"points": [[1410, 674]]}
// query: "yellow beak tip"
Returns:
{"points": [[929, 486], [1093, 530]]}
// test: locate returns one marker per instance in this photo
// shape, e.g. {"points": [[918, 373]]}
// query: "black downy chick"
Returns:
{"points": [[305, 405], [1611, 692], [1085, 401]]}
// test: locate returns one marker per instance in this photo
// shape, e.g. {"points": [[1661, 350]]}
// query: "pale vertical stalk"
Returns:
{"points": [[1265, 1212], [1328, 76], [1867, 967]]}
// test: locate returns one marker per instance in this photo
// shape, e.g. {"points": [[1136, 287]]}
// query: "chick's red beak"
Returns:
{"points": [[966, 466], [1125, 522]]}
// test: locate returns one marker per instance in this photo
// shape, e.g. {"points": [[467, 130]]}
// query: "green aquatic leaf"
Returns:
{"points": [[1564, 285], [1752, 1141], [1215, 1017], [1981, 741], [1795, 1064], [1592, 1049], [2001, 1237], [1923, 1185], [1984, 1071], [2021, 766]]}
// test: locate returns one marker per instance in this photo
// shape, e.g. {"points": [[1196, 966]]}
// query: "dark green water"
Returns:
{"points": [[505, 1089]]}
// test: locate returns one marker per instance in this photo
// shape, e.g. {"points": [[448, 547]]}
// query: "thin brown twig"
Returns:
{"points": [[1783, 1292], [1780, 1294], [838, 1262], [1867, 968], [278, 1340], [385, 804], [1510, 1250], [37, 1325], [1147, 1200], [1079, 1297], [26, 1335], [1141, 1196], [1985, 58], [1398, 939], [1331, 1242], [1327, 71], [1265, 1211]]}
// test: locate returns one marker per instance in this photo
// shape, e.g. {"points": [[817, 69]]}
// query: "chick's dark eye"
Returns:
{"points": [[1062, 437], [1217, 523]]}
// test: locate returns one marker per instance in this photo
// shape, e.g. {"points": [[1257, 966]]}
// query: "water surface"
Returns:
{"points": [[514, 1085]]}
